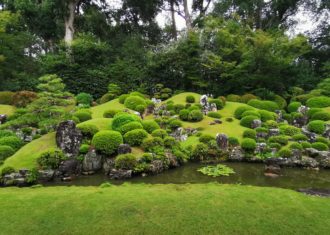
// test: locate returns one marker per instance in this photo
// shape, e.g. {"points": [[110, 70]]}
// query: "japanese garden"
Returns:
{"points": [[164, 116]]}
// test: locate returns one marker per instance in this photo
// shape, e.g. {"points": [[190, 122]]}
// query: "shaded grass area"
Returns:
{"points": [[99, 110], [27, 155], [7, 109], [162, 209]]}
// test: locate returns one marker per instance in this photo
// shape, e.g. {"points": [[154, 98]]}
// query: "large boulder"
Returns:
{"points": [[222, 141], [69, 167], [92, 161], [46, 175], [68, 138], [173, 161], [120, 174], [124, 149], [308, 162], [156, 167], [236, 155], [256, 123], [3, 118]]}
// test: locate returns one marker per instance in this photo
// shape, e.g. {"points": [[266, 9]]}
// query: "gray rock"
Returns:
{"points": [[327, 131], [68, 138], [273, 132], [124, 148], [108, 164], [309, 162], [261, 148], [3, 118], [46, 175], [92, 161], [156, 167], [256, 123], [69, 167], [173, 161], [222, 141], [311, 152], [120, 174], [236, 155]]}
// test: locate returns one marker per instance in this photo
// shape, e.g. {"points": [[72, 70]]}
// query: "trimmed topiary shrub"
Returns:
{"points": [[159, 133], [195, 116], [247, 97], [266, 115], [132, 102], [136, 93], [123, 118], [22, 98], [110, 113], [150, 143], [140, 108], [84, 148], [323, 140], [200, 152], [251, 113], [190, 99], [170, 142], [233, 141], [150, 125], [306, 144], [83, 115], [275, 145], [248, 144], [205, 138], [264, 104], [323, 116], [240, 110], [126, 162], [280, 139], [233, 98], [281, 102], [122, 98], [312, 111], [214, 115], [217, 102], [178, 108], [88, 130], [195, 107], [6, 97], [316, 126], [184, 114], [12, 141], [295, 146], [299, 137], [320, 146], [135, 137], [107, 142], [249, 133], [7, 170], [247, 121], [285, 152], [289, 130], [130, 126], [6, 133], [293, 106], [174, 124], [51, 159], [107, 97], [84, 99], [5, 152], [318, 102]]}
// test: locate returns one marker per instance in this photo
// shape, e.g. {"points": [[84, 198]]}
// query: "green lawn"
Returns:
{"points": [[162, 209], [99, 110], [101, 123], [26, 156], [7, 109], [181, 98]]}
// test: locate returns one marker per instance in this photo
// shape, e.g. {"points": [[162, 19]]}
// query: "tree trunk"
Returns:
{"points": [[69, 21], [174, 32], [187, 16]]}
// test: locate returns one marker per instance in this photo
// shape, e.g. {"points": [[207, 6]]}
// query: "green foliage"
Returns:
{"points": [[84, 99], [178, 108], [184, 114], [6, 97], [190, 99], [281, 102], [140, 108], [84, 148], [106, 98], [247, 97], [159, 133], [299, 137], [316, 126], [126, 161], [122, 98], [218, 170], [250, 133], [285, 152], [114, 89], [320, 146], [135, 137], [251, 113], [6, 133], [150, 125], [150, 143], [280, 139], [205, 138], [266, 115], [322, 115], [88, 130], [296, 146], [110, 113], [323, 140], [312, 111], [248, 144], [318, 102], [195, 116], [174, 124], [11, 141], [51, 159], [306, 144], [130, 126], [83, 115], [247, 121], [122, 119], [217, 102], [200, 152], [7, 170], [293, 106], [22, 98], [289, 130], [240, 110], [264, 104], [5, 152], [107, 142], [132, 102], [233, 98], [233, 141]]}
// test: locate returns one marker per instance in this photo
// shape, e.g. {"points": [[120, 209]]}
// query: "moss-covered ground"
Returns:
{"points": [[7, 109]]}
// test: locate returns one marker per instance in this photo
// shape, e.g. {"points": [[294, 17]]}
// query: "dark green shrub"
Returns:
{"points": [[247, 97], [324, 116], [251, 113], [247, 121], [250, 133], [83, 115], [229, 119], [240, 110], [22, 98], [5, 152], [323, 140], [281, 102], [306, 144], [270, 124], [7, 170], [285, 152], [214, 115], [280, 139], [261, 130], [275, 145], [320, 146], [184, 114], [84, 148], [296, 146], [130, 126], [318, 102], [88, 130], [217, 102], [6, 97], [170, 142], [84, 98], [122, 98], [289, 130], [178, 107], [195, 116], [293, 106], [150, 125], [159, 133], [6, 133], [110, 113], [107, 142], [299, 137], [248, 144], [263, 104], [316, 126], [233, 141], [140, 108], [200, 152], [174, 124], [233, 98], [150, 143], [266, 115], [122, 119], [170, 107], [135, 137], [312, 111], [11, 141], [126, 161], [190, 99], [132, 102], [51, 159], [107, 97], [205, 138]]}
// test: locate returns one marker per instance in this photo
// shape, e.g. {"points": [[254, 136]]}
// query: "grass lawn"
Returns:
{"points": [[26, 156], [181, 98], [7, 109], [162, 209], [101, 123], [113, 104]]}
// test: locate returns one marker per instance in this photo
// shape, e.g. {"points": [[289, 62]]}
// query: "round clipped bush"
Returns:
{"points": [[312, 111], [84, 98], [318, 102], [264, 104], [122, 98], [149, 143], [293, 106], [159, 133], [51, 159], [140, 108], [5, 133], [275, 145], [5, 152], [323, 116], [281, 102], [174, 124], [214, 115], [266, 115], [135, 137], [316, 126], [83, 115], [130, 126], [110, 113], [184, 114], [170, 142], [289, 130], [251, 113], [247, 97], [84, 148], [190, 99], [323, 140], [88, 130], [306, 144], [217, 102], [195, 116], [280, 139], [178, 108], [122, 119], [240, 110], [285, 152], [299, 137], [295, 146], [233, 141], [11, 141], [250, 133], [233, 98], [107, 142], [320, 146], [205, 138], [150, 125], [132, 102], [126, 161], [136, 93], [248, 144], [247, 121], [107, 97]]}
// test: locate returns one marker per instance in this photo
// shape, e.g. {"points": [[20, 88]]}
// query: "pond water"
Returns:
{"points": [[246, 174]]}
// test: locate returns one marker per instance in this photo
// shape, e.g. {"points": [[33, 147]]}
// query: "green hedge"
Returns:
{"points": [[107, 142], [126, 161], [110, 113], [318, 102], [190, 99], [248, 144], [247, 121], [320, 146], [83, 115], [214, 115], [5, 152], [150, 125], [135, 137], [264, 104], [88, 130], [293, 106], [130, 126], [316, 126], [122, 119], [249, 133], [11, 141], [240, 110], [323, 116], [132, 102]]}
